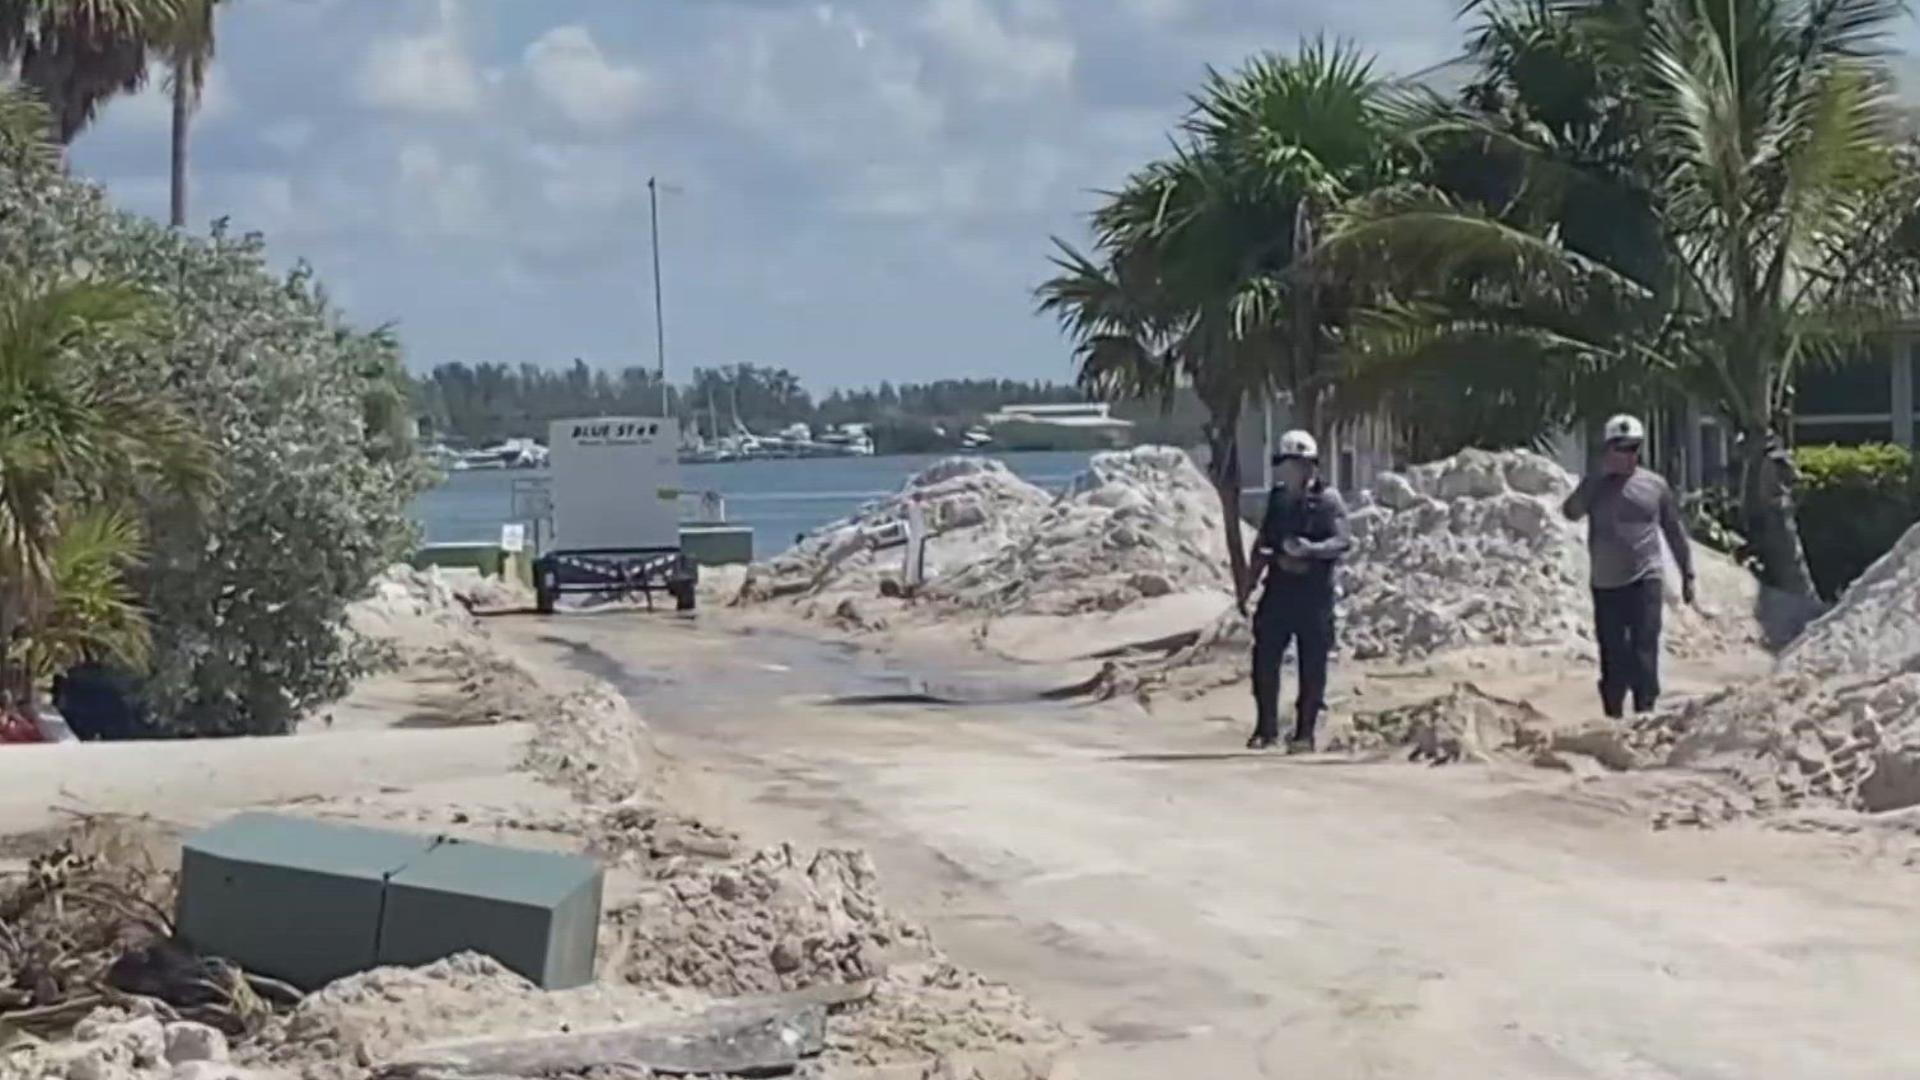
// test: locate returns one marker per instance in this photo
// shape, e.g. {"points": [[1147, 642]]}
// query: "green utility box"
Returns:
{"points": [[538, 912], [310, 901]]}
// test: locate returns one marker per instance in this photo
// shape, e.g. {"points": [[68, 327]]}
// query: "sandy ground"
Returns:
{"points": [[1198, 911], [1186, 908]]}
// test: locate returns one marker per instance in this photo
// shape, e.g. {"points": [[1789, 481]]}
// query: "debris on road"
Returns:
{"points": [[93, 979], [1465, 724], [972, 507], [778, 920], [1473, 550], [1137, 524]]}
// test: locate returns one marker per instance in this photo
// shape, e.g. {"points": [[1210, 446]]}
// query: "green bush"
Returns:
{"points": [[1854, 503], [306, 420]]}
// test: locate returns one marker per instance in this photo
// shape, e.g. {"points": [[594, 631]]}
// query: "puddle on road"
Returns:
{"points": [[769, 667]]}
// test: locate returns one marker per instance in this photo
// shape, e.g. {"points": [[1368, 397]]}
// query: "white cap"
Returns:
{"points": [[1624, 428], [1297, 444]]}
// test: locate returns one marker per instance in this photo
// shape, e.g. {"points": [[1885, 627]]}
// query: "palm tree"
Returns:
{"points": [[78, 53], [1200, 275], [74, 450], [1779, 225], [188, 45]]}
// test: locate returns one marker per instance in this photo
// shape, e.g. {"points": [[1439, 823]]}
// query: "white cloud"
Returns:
{"points": [[288, 136], [1158, 11], [425, 73], [570, 72], [1008, 62], [442, 197]]}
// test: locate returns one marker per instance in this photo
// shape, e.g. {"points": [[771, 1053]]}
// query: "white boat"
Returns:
{"points": [[512, 454], [848, 440], [976, 439]]}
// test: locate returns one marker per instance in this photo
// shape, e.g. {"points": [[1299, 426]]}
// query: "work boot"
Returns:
{"points": [[1298, 745], [1261, 742]]}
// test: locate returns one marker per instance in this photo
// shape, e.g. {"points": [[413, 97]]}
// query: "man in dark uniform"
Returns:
{"points": [[1302, 537]]}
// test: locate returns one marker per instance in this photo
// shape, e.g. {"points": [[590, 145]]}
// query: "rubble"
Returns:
{"points": [[341, 1030], [1472, 550], [1465, 724], [1837, 726], [973, 507], [1137, 524], [1875, 625], [779, 920], [128, 1044]]}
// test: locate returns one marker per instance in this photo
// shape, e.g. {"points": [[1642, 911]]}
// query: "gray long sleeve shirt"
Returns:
{"points": [[1626, 517]]}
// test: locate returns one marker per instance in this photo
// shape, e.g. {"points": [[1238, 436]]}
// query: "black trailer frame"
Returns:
{"points": [[620, 571]]}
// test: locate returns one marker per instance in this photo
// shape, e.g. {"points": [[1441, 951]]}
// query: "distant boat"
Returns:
{"points": [[793, 441], [976, 439], [511, 454]]}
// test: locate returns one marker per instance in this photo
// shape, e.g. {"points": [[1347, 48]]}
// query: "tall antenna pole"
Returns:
{"points": [[659, 307]]}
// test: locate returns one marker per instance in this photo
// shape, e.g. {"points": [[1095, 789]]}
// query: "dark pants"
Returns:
{"points": [[1305, 622], [1626, 624]]}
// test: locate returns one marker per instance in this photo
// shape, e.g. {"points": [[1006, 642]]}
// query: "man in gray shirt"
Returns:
{"points": [[1628, 509]]}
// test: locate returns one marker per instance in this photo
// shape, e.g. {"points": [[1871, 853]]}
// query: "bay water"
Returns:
{"points": [[779, 499]]}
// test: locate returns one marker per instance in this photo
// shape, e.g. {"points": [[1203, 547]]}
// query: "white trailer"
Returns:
{"points": [[616, 511]]}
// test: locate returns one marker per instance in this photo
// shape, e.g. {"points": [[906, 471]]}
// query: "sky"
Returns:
{"points": [[855, 190]]}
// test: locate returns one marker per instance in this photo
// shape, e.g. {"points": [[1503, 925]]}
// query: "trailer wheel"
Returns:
{"points": [[683, 595]]}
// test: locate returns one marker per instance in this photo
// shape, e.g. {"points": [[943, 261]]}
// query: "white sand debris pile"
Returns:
{"points": [[1472, 550], [415, 622], [1838, 725], [780, 920], [127, 1044], [359, 1021], [936, 1011], [1464, 724], [972, 507], [1137, 524], [594, 743], [1876, 624], [404, 599]]}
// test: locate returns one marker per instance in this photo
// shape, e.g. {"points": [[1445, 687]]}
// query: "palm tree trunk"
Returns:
{"points": [[1766, 507], [182, 122], [1223, 468]]}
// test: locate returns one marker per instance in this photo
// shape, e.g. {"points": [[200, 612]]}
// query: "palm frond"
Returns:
{"points": [[95, 613]]}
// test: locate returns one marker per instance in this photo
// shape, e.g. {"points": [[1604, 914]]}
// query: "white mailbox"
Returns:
{"points": [[616, 483]]}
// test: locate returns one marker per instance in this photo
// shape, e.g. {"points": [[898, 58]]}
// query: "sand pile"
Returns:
{"points": [[937, 1012], [377, 1015], [973, 507], [779, 920], [1468, 553], [1838, 725], [1472, 550], [1138, 524], [128, 1044], [593, 743], [1876, 625], [419, 624], [1465, 724], [404, 602]]}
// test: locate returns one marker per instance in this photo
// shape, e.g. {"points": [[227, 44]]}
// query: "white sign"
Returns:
{"points": [[616, 483], [513, 538]]}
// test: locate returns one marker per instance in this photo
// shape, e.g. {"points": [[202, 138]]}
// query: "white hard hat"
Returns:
{"points": [[1297, 444], [1627, 429]]}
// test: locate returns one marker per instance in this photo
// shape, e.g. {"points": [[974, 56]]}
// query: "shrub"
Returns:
{"points": [[1854, 503], [246, 596]]}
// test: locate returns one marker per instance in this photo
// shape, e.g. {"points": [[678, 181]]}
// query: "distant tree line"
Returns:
{"points": [[477, 404]]}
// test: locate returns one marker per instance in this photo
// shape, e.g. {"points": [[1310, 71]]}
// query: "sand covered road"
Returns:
{"points": [[1216, 915]]}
